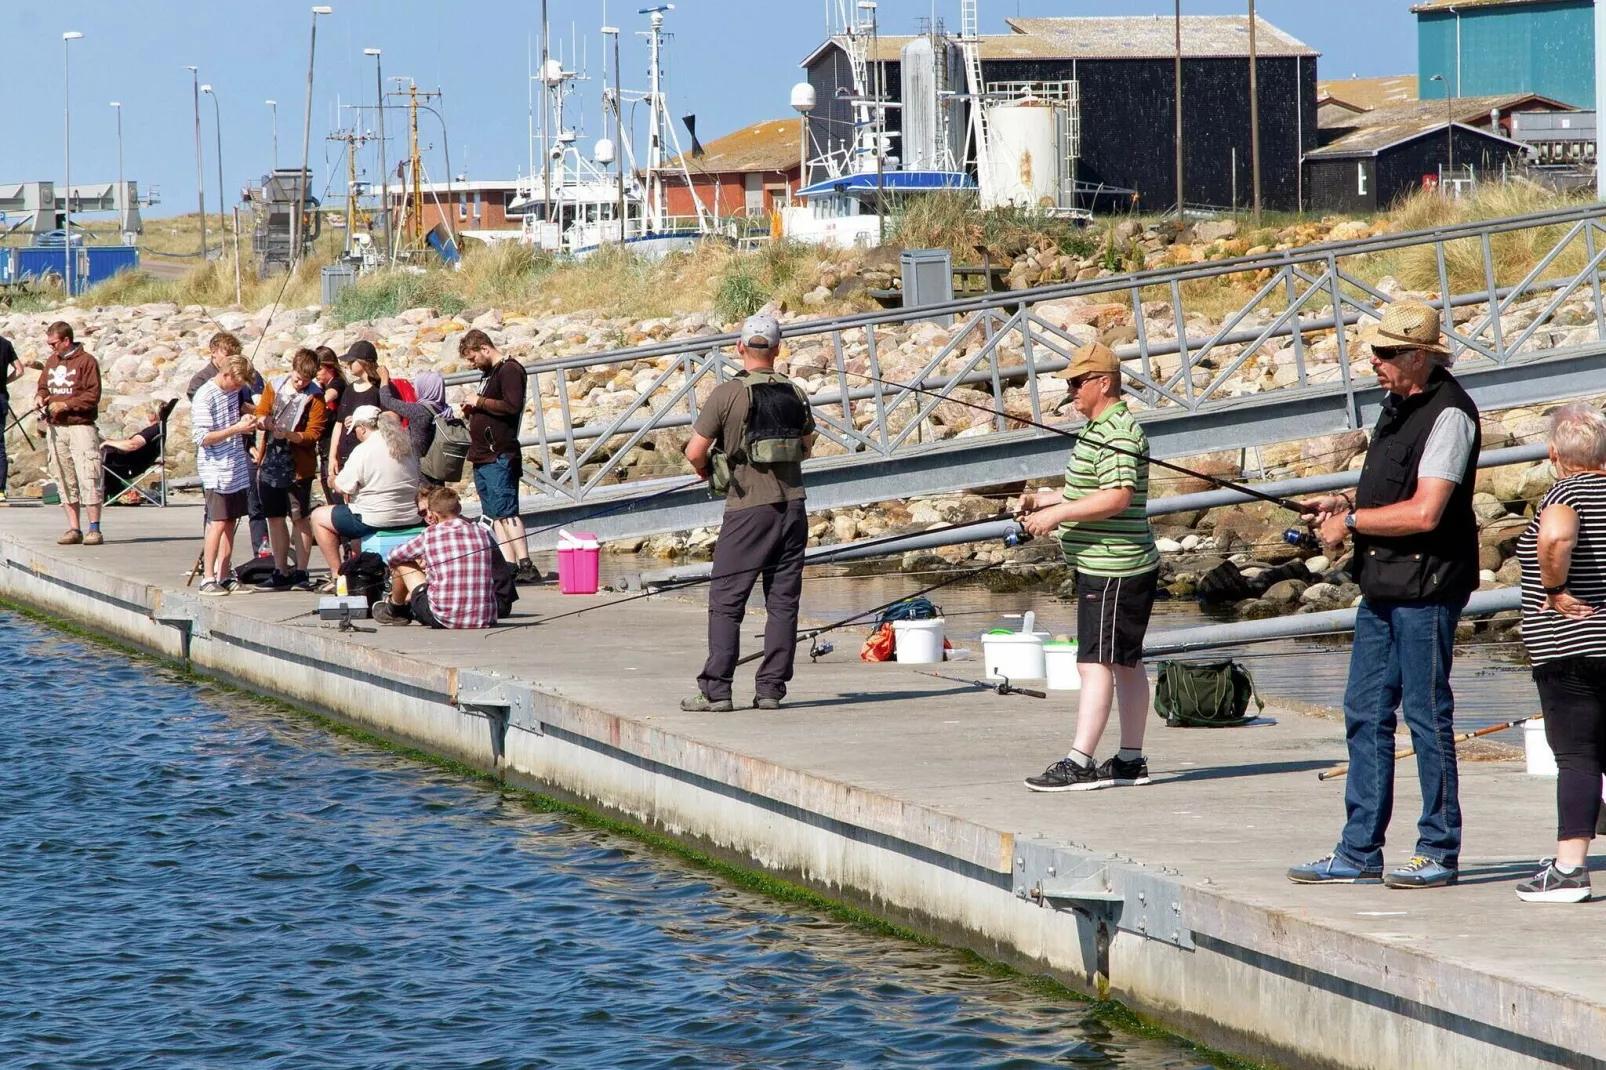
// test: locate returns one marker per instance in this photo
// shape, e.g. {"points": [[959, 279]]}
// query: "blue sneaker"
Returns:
{"points": [[1333, 870], [1421, 872]]}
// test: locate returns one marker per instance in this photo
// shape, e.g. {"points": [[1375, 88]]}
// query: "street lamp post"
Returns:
{"points": [[200, 181], [1449, 124], [297, 239], [122, 190], [880, 123], [273, 108], [217, 126], [66, 96], [384, 173]]}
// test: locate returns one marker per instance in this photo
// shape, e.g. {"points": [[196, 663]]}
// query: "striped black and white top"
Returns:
{"points": [[1549, 636]]}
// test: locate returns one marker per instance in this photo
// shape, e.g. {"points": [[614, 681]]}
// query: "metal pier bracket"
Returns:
{"points": [[499, 698], [1131, 898]]}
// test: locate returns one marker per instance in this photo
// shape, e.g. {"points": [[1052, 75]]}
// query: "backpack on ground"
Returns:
{"points": [[777, 421], [448, 450], [909, 609], [365, 576], [1204, 694]]}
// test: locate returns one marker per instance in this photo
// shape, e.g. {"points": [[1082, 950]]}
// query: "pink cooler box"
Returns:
{"points": [[579, 561]]}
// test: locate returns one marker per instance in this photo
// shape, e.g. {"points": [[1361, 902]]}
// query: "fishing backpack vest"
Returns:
{"points": [[773, 432], [1433, 566]]}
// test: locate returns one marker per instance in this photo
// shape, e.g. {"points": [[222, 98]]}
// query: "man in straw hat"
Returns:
{"points": [[1416, 560], [1104, 534]]}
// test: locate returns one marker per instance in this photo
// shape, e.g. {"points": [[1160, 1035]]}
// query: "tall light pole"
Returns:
{"points": [[273, 109], [217, 125], [619, 132], [122, 190], [66, 76], [200, 181], [1181, 216], [1449, 122], [296, 240], [384, 173], [1254, 114], [880, 123]]}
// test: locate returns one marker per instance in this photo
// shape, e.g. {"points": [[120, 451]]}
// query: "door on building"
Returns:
{"points": [[753, 187]]}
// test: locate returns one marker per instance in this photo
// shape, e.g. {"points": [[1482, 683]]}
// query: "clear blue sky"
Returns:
{"points": [[731, 63]]}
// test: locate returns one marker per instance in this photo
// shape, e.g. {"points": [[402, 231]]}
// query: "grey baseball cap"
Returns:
{"points": [[761, 332]]}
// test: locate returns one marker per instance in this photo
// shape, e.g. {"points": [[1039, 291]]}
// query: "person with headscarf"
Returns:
{"points": [[419, 416]]}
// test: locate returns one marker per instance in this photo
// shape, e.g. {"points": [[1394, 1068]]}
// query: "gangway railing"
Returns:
{"points": [[1262, 373]]}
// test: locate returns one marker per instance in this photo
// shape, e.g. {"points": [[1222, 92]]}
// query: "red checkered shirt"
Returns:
{"points": [[456, 555]]}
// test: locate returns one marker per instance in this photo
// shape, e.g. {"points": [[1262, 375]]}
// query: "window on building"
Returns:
{"points": [[462, 207], [476, 204], [1360, 178]]}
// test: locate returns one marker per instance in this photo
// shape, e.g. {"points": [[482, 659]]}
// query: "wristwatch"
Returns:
{"points": [[1558, 589], [1349, 520]]}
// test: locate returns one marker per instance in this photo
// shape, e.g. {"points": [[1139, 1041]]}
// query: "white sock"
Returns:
{"points": [[1567, 871], [1078, 758], [1130, 754]]}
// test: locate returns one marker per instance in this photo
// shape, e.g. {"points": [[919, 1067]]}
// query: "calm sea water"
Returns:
{"points": [[193, 879]]}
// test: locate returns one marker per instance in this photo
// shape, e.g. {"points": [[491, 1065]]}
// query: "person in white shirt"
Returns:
{"points": [[219, 432], [380, 481]]}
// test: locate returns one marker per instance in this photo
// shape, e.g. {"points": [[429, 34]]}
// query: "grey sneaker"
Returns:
{"points": [[1421, 872], [1551, 885], [213, 589], [766, 702], [703, 704], [385, 613]]}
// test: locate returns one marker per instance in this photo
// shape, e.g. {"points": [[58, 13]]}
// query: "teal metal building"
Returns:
{"points": [[1495, 47]]}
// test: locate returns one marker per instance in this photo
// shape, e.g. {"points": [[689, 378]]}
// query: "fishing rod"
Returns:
{"points": [[15, 419], [1225, 484], [1003, 687], [1343, 767], [815, 633]]}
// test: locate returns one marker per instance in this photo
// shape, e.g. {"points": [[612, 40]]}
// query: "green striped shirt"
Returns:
{"points": [[1107, 457]]}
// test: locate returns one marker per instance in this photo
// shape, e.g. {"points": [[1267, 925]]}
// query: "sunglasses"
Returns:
{"points": [[1076, 384], [1392, 352]]}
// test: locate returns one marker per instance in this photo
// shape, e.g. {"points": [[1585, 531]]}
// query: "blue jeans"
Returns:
{"points": [[1401, 660]]}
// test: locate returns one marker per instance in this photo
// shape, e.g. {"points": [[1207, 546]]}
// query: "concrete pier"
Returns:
{"points": [[902, 792]]}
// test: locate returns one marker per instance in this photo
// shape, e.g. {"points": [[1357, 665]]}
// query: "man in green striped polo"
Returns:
{"points": [[1105, 535]]}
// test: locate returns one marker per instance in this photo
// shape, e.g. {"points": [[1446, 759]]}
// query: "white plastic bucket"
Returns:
{"points": [[1015, 655], [1059, 661], [1541, 760], [918, 641]]}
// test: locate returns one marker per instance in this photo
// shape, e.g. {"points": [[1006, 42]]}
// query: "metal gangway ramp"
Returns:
{"points": [[1274, 370]]}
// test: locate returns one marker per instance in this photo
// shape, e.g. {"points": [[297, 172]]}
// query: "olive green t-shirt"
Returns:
{"points": [[721, 419]]}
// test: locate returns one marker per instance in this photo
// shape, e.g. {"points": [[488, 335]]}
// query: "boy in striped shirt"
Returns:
{"points": [[1105, 536]]}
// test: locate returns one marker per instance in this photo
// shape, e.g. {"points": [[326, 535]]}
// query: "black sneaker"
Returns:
{"points": [[300, 580], [278, 581], [527, 573], [1551, 885], [1125, 774], [1066, 775]]}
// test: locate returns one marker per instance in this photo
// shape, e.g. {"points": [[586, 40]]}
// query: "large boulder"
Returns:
{"points": [[1224, 583]]}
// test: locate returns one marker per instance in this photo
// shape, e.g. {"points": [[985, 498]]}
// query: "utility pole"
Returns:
{"points": [[122, 190], [66, 96], [1178, 78], [619, 131], [1254, 114], [546, 155], [200, 179], [384, 172], [352, 139], [217, 126]]}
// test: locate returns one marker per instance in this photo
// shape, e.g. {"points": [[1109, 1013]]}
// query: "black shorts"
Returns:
{"points": [[1112, 616], [419, 603], [294, 501], [224, 507]]}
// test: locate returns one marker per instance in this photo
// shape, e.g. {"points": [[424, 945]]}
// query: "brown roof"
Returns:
{"points": [[772, 145], [1473, 111], [1115, 37], [1371, 92], [1442, 5]]}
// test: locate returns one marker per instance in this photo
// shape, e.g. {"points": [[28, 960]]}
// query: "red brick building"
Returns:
{"points": [[751, 172], [473, 208]]}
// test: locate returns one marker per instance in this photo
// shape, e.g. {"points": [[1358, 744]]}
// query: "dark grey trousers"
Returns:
{"points": [[765, 541]]}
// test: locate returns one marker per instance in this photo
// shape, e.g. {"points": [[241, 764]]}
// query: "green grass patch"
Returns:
{"points": [[385, 293], [1110, 1012]]}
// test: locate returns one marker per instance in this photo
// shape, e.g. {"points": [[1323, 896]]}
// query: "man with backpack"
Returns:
{"points": [[749, 441], [293, 413]]}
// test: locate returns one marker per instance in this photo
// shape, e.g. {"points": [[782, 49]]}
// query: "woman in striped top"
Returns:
{"points": [[1563, 557]]}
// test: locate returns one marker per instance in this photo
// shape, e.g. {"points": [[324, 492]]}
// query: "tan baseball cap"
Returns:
{"points": [[1096, 358]]}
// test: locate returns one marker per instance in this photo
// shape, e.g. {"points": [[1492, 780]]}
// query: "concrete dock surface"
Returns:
{"points": [[874, 761]]}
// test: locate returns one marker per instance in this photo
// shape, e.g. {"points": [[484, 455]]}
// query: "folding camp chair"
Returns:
{"points": [[124, 469]]}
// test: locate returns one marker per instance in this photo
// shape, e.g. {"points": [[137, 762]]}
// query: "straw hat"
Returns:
{"points": [[1407, 325]]}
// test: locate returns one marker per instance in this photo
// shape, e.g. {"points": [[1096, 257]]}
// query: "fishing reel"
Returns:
{"points": [[1017, 537], [1302, 539], [818, 650]]}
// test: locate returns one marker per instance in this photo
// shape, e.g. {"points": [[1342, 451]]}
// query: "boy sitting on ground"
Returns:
{"points": [[442, 578]]}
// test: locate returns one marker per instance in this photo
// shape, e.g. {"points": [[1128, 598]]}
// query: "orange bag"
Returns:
{"points": [[880, 644]]}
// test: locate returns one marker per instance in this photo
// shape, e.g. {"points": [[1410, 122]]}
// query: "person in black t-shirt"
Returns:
{"points": [[10, 370], [493, 417]]}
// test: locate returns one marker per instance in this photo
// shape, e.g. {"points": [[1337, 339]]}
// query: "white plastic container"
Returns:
{"points": [[1059, 660], [918, 642], [1541, 759], [1015, 655]]}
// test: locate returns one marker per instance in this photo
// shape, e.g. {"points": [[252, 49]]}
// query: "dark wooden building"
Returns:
{"points": [[1369, 159], [1124, 70]]}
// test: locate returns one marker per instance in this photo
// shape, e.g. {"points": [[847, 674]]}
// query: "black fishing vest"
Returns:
{"points": [[1435, 566]]}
